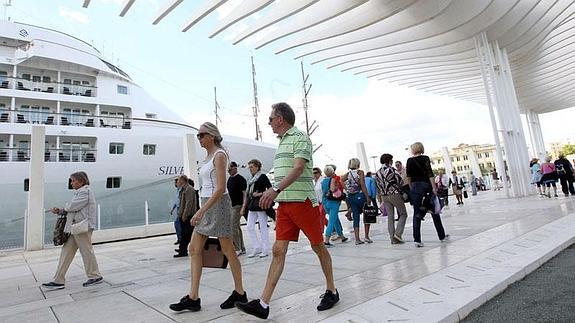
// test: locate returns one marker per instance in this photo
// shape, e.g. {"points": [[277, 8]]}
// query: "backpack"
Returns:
{"points": [[352, 183], [560, 169]]}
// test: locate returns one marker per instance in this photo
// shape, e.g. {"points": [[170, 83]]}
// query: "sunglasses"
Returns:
{"points": [[272, 118], [201, 135], [316, 172]]}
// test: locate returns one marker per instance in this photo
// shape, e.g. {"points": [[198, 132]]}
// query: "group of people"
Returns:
{"points": [[391, 186], [217, 209], [546, 175]]}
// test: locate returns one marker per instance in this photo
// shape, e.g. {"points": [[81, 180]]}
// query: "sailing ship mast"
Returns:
{"points": [[256, 107]]}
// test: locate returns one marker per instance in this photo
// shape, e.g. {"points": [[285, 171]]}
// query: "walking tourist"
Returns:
{"points": [[80, 212], [357, 197], [212, 219], [389, 185], [473, 183], [177, 225], [420, 179], [371, 188], [549, 177], [536, 175], [187, 207], [331, 195], [237, 186], [317, 180], [442, 184], [297, 209], [457, 186], [495, 180], [564, 171], [258, 184]]}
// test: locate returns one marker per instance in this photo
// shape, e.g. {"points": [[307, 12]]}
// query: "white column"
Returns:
{"points": [[11, 146], [536, 135], [472, 156], [191, 158], [447, 161], [35, 221], [13, 110], [483, 52], [362, 155]]}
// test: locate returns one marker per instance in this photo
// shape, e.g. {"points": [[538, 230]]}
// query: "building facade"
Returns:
{"points": [[462, 162]]}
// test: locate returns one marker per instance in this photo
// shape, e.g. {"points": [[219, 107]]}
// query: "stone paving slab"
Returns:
{"points": [[378, 282]]}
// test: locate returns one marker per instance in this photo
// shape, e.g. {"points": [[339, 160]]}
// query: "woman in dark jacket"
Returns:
{"points": [[421, 181], [258, 184]]}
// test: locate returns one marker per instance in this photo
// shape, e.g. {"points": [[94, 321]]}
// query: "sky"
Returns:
{"points": [[181, 70]]}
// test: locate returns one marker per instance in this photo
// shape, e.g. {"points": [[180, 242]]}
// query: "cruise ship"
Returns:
{"points": [[97, 120]]}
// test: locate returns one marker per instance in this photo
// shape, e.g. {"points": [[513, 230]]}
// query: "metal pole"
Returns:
{"points": [[304, 100]]}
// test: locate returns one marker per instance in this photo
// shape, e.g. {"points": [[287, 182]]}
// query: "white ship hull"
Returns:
{"points": [[96, 120]]}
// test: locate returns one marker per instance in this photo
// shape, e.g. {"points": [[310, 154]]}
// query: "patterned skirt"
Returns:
{"points": [[217, 221]]}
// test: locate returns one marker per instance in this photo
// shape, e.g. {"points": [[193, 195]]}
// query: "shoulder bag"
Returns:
{"points": [[337, 195], [80, 227]]}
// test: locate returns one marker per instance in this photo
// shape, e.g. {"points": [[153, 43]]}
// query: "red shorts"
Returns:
{"points": [[295, 216]]}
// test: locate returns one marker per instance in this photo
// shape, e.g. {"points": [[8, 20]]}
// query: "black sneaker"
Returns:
{"points": [[53, 285], [180, 255], [186, 303], [92, 281], [328, 300], [254, 308], [235, 297]]}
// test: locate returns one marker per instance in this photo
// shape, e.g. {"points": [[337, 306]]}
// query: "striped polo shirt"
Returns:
{"points": [[295, 144]]}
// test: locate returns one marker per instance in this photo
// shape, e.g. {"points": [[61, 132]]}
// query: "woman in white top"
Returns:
{"points": [[212, 219]]}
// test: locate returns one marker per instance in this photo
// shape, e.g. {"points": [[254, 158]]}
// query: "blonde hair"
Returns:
{"points": [[353, 163], [328, 171], [256, 163], [417, 148], [213, 130]]}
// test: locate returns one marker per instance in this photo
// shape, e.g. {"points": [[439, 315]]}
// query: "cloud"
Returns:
{"points": [[73, 15]]}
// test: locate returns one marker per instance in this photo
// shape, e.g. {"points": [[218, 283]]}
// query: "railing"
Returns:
{"points": [[137, 206], [50, 154], [23, 84], [64, 119]]}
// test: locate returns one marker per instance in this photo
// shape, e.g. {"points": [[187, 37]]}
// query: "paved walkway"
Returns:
{"points": [[494, 242]]}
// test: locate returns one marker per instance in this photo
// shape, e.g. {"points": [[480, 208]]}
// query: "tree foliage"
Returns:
{"points": [[568, 149]]}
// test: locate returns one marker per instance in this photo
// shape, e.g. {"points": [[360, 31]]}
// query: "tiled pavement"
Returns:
{"points": [[494, 241]]}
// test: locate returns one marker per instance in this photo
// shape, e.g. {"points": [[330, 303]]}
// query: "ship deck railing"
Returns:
{"points": [[35, 115], [47, 86]]}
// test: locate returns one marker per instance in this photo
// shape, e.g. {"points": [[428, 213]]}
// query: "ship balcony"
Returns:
{"points": [[75, 117], [70, 149], [47, 86]]}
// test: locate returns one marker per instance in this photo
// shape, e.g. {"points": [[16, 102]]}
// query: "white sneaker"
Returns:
{"points": [[446, 238], [263, 254], [419, 245], [254, 253]]}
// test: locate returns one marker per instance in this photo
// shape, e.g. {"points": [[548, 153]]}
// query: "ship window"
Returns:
{"points": [[151, 116], [67, 81], [122, 89], [116, 148], [149, 149], [85, 82], [36, 78], [113, 182], [46, 79], [26, 76], [26, 184], [3, 75]]}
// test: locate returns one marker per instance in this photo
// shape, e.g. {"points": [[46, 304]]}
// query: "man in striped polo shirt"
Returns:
{"points": [[294, 190]]}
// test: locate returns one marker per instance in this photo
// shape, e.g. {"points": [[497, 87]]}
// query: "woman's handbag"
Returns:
{"points": [[465, 195], [369, 214], [80, 227], [212, 255], [60, 237], [254, 204]]}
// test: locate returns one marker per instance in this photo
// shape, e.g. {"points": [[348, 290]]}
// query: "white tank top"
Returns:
{"points": [[208, 175]]}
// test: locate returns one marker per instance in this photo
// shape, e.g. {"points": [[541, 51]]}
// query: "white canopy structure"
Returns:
{"points": [[515, 56]]}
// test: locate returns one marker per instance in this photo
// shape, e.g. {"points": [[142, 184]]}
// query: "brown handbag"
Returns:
{"points": [[212, 255]]}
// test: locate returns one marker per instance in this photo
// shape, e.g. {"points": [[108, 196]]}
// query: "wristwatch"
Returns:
{"points": [[276, 189]]}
